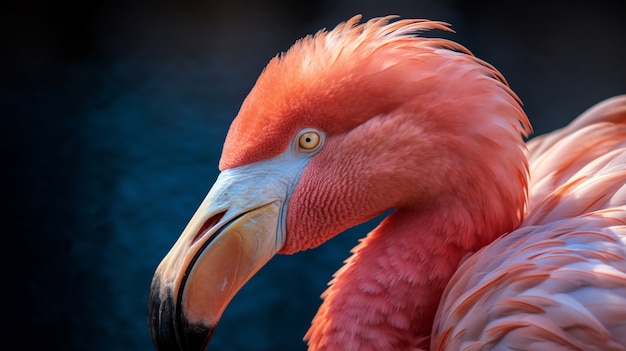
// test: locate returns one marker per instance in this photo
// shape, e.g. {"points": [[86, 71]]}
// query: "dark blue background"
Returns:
{"points": [[114, 113]]}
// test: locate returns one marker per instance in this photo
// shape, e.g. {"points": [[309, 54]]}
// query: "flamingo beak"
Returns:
{"points": [[237, 229]]}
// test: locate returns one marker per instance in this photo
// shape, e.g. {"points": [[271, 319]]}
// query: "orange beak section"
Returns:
{"points": [[237, 229], [227, 263]]}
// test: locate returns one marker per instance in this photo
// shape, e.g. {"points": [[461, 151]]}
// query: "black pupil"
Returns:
{"points": [[308, 140]]}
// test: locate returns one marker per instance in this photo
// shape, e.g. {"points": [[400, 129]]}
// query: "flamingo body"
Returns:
{"points": [[491, 244]]}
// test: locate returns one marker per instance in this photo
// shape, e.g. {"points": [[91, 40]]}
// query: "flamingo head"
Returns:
{"points": [[345, 125]]}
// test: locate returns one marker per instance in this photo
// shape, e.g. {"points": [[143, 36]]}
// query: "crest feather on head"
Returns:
{"points": [[336, 80]]}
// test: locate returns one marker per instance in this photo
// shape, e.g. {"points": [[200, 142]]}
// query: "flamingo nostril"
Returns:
{"points": [[208, 224]]}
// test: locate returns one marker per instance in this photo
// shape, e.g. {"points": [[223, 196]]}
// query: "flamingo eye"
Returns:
{"points": [[309, 140]]}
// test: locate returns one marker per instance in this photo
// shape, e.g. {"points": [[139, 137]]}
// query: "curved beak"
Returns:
{"points": [[235, 231]]}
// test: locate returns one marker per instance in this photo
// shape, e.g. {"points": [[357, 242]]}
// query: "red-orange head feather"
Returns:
{"points": [[331, 81]]}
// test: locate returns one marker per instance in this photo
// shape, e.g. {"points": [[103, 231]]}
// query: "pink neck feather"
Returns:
{"points": [[386, 295]]}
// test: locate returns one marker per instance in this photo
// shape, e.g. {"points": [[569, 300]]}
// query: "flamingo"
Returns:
{"points": [[492, 243]]}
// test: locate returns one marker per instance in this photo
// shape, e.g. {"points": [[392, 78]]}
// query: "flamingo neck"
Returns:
{"points": [[386, 295]]}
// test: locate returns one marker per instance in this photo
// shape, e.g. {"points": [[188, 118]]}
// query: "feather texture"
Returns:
{"points": [[559, 281]]}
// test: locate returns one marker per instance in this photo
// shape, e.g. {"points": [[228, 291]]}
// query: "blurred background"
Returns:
{"points": [[114, 115]]}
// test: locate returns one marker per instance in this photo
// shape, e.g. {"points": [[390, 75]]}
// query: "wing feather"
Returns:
{"points": [[559, 281]]}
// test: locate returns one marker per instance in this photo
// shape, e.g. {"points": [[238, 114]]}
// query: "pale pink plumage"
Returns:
{"points": [[559, 281]]}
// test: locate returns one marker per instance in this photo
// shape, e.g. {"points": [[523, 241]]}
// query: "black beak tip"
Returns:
{"points": [[196, 337], [169, 329]]}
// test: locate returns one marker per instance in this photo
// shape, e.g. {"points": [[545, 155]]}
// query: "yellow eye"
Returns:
{"points": [[309, 140]]}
